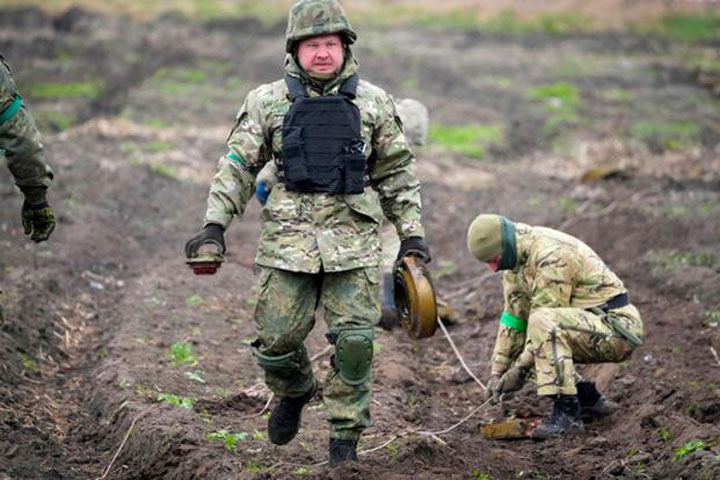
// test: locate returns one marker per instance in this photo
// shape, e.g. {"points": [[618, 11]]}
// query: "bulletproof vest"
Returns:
{"points": [[322, 150]]}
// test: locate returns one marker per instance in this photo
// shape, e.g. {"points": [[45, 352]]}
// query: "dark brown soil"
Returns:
{"points": [[88, 318]]}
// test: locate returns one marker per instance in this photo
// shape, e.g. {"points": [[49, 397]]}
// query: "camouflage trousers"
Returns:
{"points": [[285, 315], [557, 338]]}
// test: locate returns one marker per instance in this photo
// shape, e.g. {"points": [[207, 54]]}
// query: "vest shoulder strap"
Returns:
{"points": [[349, 86], [298, 89]]}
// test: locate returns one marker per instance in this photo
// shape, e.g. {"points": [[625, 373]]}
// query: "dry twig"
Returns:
{"points": [[715, 354], [127, 435]]}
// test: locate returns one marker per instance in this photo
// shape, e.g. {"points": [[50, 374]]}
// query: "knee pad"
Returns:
{"points": [[284, 366], [353, 353]]}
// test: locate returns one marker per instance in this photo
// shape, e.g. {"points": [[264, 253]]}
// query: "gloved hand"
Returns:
{"points": [[414, 246], [262, 192], [38, 221], [510, 381], [212, 233]]}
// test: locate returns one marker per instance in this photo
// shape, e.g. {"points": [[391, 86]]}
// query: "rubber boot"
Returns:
{"points": [[565, 415], [592, 404], [284, 421], [342, 451]]}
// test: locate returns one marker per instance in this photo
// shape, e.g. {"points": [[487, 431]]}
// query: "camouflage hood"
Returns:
{"points": [[309, 18], [323, 87]]}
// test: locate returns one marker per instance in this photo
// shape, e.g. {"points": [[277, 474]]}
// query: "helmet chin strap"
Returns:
{"points": [[508, 260]]}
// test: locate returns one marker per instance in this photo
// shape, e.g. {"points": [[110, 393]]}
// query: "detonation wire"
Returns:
{"points": [[433, 435], [458, 355]]}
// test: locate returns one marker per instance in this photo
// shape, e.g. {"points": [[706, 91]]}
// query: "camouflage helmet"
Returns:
{"points": [[309, 18]]}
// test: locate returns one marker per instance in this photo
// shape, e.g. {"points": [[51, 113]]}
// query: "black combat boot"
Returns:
{"points": [[284, 421], [342, 451], [565, 415], [592, 404]]}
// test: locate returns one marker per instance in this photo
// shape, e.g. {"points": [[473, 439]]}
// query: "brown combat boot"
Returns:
{"points": [[565, 415]]}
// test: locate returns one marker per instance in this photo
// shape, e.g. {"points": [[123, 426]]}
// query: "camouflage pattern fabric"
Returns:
{"points": [[20, 140], [557, 280], [304, 232], [557, 338], [309, 18], [284, 315]]}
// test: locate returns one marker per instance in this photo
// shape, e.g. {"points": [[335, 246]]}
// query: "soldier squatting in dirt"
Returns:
{"points": [[562, 305], [20, 140], [344, 164]]}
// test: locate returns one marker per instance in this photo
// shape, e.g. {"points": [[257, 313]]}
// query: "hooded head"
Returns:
{"points": [[492, 235], [311, 18]]}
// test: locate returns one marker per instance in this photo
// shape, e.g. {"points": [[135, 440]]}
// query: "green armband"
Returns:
{"points": [[511, 321], [11, 110], [232, 156]]}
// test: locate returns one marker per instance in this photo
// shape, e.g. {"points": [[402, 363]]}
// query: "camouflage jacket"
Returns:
{"points": [[307, 232], [20, 139], [555, 270]]}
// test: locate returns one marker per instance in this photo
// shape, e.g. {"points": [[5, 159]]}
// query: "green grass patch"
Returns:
{"points": [[672, 260], [181, 353], [167, 171], [687, 449], [28, 362], [184, 75], [560, 102], [617, 95], [91, 90], [228, 438], [566, 204], [175, 400], [692, 28], [470, 140], [663, 434], [195, 377], [702, 210], [54, 121], [155, 122], [509, 22], [668, 135], [446, 268], [194, 301], [560, 96], [712, 318]]}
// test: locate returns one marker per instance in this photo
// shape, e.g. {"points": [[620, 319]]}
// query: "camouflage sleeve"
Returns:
{"points": [[553, 281], [20, 139], [392, 174], [510, 337], [233, 185]]}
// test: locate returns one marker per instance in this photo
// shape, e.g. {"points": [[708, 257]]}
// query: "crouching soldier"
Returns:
{"points": [[343, 164], [20, 140], [563, 306]]}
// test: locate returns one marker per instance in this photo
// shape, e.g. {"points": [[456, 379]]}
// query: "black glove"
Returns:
{"points": [[414, 246], [38, 221], [211, 233]]}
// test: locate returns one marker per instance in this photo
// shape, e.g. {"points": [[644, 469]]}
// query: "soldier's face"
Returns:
{"points": [[494, 263], [321, 55]]}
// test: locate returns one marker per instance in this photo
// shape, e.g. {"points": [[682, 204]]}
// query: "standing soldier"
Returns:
{"points": [[20, 140], [343, 163], [562, 305]]}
